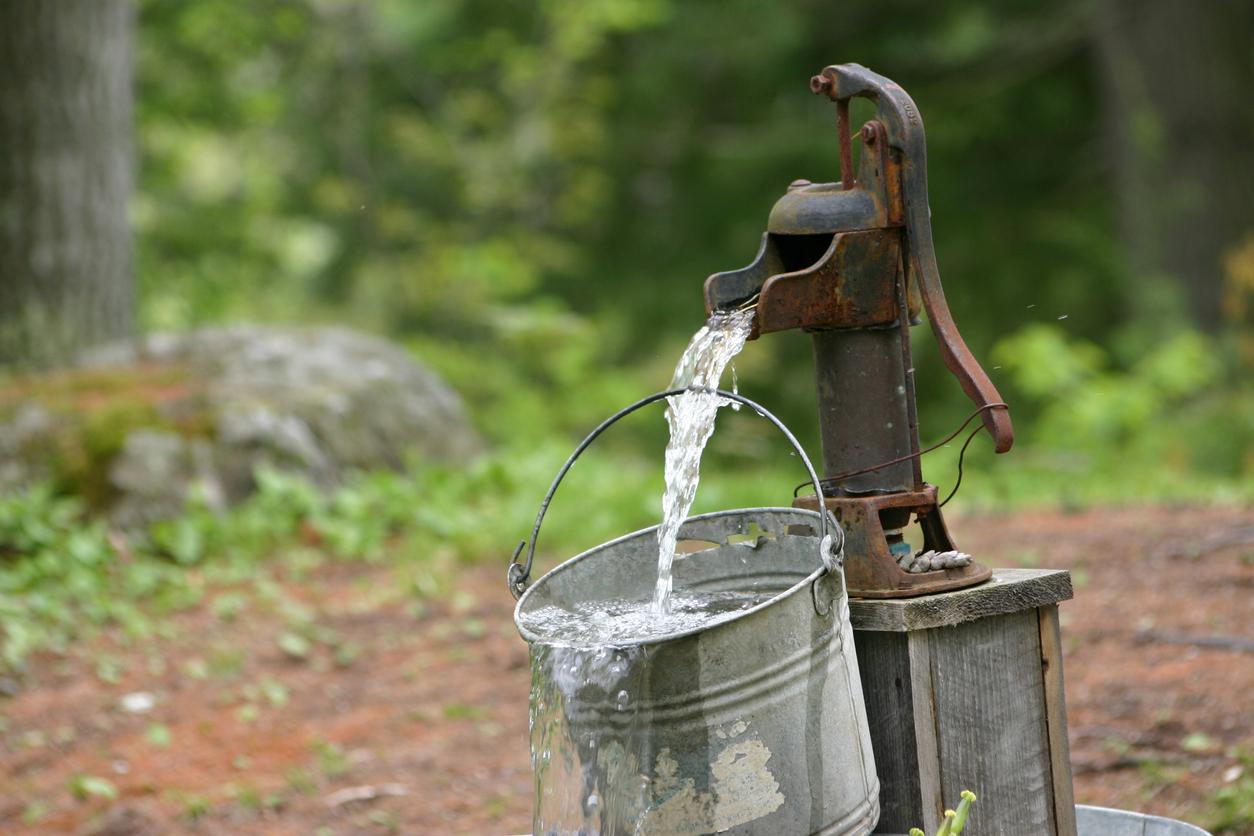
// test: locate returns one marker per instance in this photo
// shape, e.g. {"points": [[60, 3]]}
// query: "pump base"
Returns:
{"points": [[870, 569]]}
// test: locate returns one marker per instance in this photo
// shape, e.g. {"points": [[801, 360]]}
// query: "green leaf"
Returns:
{"points": [[158, 735], [294, 645], [82, 786]]}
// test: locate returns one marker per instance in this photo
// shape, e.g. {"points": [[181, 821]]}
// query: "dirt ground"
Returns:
{"points": [[231, 724]]}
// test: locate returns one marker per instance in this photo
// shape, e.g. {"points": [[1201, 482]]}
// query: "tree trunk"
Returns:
{"points": [[1177, 79], [65, 176]]}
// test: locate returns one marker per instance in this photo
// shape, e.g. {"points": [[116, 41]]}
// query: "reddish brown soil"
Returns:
{"points": [[436, 701]]}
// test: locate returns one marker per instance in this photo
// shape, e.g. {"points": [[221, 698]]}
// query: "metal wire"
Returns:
{"points": [[830, 479], [520, 573], [961, 453]]}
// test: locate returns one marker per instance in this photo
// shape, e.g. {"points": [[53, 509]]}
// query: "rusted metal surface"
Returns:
{"points": [[854, 263], [826, 208], [835, 292], [846, 146], [870, 570], [864, 411], [904, 126]]}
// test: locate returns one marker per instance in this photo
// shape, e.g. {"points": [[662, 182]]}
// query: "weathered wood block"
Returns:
{"points": [[964, 690]]}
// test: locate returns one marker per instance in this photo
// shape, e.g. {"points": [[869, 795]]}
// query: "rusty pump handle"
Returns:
{"points": [[904, 128]]}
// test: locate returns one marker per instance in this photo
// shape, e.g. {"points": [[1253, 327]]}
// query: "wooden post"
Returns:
{"points": [[964, 690]]}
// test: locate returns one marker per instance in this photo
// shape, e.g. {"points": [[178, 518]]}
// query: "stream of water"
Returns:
{"points": [[590, 733], [690, 416]]}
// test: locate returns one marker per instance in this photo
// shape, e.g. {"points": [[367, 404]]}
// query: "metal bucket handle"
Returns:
{"points": [[829, 534]]}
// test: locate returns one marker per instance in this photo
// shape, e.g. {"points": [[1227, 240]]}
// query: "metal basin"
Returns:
{"points": [[1102, 821]]}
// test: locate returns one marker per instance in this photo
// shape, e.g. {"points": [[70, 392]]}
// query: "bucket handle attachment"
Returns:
{"points": [[832, 537]]}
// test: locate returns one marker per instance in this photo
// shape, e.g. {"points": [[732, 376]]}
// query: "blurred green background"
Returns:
{"points": [[529, 196]]}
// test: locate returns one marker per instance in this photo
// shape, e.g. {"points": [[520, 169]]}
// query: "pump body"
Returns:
{"points": [[853, 264]]}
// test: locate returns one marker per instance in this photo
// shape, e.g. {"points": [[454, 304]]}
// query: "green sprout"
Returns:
{"points": [[955, 820]]}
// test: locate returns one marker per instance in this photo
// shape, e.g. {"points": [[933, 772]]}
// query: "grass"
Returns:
{"points": [[65, 575], [1232, 805]]}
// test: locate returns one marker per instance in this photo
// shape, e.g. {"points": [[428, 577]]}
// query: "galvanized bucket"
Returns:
{"points": [[756, 724]]}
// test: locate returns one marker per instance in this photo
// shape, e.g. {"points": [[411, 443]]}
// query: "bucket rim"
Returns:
{"points": [[532, 638]]}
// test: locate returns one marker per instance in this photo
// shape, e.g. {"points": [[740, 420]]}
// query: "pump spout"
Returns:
{"points": [[733, 288], [816, 282]]}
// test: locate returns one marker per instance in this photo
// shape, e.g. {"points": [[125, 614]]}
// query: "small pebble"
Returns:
{"points": [[138, 702]]}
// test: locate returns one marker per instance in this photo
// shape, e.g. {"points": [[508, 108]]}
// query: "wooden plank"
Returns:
{"points": [[1056, 719], [991, 731], [884, 665], [1008, 591], [926, 728]]}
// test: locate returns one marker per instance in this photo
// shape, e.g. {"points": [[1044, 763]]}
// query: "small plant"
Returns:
{"points": [[33, 812], [331, 758], [955, 820], [158, 735], [83, 786], [1233, 805], [195, 806], [298, 779]]}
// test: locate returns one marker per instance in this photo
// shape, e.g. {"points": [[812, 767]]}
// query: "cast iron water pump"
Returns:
{"points": [[852, 263]]}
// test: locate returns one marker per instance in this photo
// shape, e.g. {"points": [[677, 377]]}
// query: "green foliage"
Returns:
{"points": [[1175, 422], [83, 786], [331, 759], [954, 820], [1232, 806], [158, 735], [529, 196], [63, 574], [90, 412]]}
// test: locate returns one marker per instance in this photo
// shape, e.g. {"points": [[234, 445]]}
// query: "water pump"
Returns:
{"points": [[852, 263]]}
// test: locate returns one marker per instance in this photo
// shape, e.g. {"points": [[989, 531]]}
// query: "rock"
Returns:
{"points": [[138, 702], [28, 423], [173, 413], [156, 472]]}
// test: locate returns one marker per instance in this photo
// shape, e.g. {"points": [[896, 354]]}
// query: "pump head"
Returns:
{"points": [[853, 263], [811, 274]]}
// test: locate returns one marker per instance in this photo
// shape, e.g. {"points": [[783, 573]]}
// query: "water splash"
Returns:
{"points": [[599, 623], [690, 417], [588, 774], [590, 731]]}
